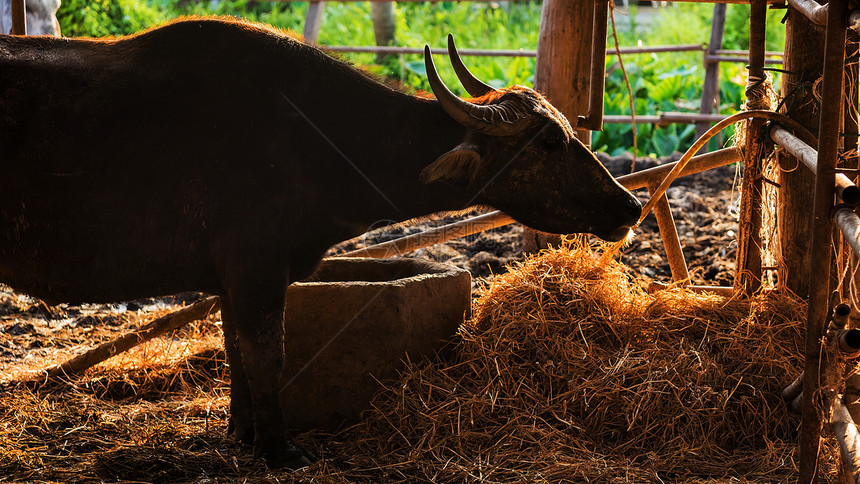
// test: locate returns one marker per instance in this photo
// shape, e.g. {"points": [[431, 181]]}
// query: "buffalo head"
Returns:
{"points": [[520, 156]]}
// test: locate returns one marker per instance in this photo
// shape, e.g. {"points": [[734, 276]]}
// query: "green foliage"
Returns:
{"points": [[660, 82], [673, 81], [101, 18]]}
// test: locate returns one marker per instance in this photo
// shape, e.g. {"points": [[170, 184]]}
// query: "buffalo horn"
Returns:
{"points": [[502, 119], [473, 85]]}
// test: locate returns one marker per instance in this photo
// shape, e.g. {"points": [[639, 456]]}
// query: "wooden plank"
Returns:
{"points": [[313, 21]]}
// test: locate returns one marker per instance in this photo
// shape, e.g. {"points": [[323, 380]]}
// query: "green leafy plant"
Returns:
{"points": [[101, 18], [660, 82]]}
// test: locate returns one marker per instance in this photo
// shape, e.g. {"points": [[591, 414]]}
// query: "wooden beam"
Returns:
{"points": [[817, 367], [175, 320], [19, 17]]}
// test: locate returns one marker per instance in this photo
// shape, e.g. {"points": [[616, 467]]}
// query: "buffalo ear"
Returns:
{"points": [[459, 166]]}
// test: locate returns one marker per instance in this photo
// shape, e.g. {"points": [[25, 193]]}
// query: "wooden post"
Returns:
{"points": [[669, 235], [748, 262], [817, 370], [383, 26], [562, 73], [711, 88], [802, 63], [313, 21], [19, 18]]}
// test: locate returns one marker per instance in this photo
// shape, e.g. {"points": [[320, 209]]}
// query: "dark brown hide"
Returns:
{"points": [[225, 157]]}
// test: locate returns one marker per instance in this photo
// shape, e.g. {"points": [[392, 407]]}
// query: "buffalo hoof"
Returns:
{"points": [[242, 432], [292, 455]]}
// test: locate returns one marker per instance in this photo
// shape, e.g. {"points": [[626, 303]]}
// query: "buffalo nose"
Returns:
{"points": [[633, 208]]}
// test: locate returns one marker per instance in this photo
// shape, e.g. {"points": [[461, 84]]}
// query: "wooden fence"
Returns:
{"points": [[710, 57]]}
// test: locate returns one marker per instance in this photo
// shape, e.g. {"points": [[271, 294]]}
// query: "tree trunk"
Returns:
{"points": [[803, 61]]}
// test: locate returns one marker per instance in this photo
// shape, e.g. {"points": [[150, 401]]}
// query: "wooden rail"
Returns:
{"points": [[505, 52]]}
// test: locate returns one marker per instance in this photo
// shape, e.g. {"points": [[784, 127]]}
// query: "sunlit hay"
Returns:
{"points": [[168, 349], [566, 372], [569, 371]]}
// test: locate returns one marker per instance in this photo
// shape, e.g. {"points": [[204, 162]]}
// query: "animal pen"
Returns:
{"points": [[818, 74]]}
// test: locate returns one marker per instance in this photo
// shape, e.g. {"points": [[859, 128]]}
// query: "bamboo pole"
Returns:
{"points": [[811, 9], [199, 310], [495, 219], [669, 235], [848, 437], [816, 367]]}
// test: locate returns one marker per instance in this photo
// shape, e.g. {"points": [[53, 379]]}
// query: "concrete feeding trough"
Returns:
{"points": [[353, 322]]}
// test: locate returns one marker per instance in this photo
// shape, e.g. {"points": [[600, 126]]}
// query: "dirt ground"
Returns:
{"points": [[34, 336]]}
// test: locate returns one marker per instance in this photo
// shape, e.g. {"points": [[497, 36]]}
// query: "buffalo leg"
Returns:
{"points": [[259, 326], [241, 424]]}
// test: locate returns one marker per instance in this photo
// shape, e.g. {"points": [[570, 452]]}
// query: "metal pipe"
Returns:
{"points": [[594, 119], [845, 188], [495, 219], [854, 21], [820, 257], [697, 164], [849, 438], [847, 340], [669, 236], [849, 223], [19, 18], [812, 10], [794, 389], [840, 315]]}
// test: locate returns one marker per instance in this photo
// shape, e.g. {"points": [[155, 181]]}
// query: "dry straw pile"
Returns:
{"points": [[567, 372]]}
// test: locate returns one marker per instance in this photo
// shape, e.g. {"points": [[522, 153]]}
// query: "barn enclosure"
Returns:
{"points": [[571, 367]]}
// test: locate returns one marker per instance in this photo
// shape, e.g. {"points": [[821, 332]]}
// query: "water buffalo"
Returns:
{"points": [[223, 156]]}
